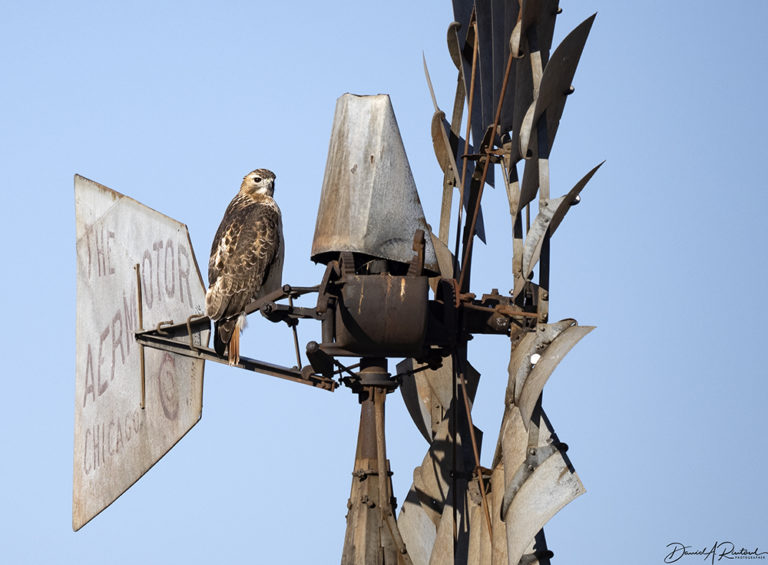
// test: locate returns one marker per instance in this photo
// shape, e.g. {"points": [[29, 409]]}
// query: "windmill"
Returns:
{"points": [[392, 289]]}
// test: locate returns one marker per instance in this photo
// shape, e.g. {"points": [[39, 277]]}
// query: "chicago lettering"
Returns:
{"points": [[107, 439]]}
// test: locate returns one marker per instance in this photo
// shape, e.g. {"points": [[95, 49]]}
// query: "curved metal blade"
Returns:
{"points": [[570, 198], [547, 221], [440, 143], [550, 487], [548, 105], [520, 364], [535, 238], [538, 483], [550, 358], [558, 75]]}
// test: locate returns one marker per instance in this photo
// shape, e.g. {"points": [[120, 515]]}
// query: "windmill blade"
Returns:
{"points": [[523, 348], [570, 199], [539, 479], [535, 27], [446, 153], [441, 144], [530, 41], [431, 491], [417, 528], [536, 235], [425, 395], [467, 50], [480, 227], [504, 16], [542, 117], [444, 257], [462, 12], [548, 219], [555, 87], [558, 76], [543, 368], [537, 486], [478, 125], [486, 63], [429, 394], [444, 157], [454, 48]]}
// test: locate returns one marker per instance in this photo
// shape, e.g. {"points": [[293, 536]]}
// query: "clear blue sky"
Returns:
{"points": [[663, 405]]}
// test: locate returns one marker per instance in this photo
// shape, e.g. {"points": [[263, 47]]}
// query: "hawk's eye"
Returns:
{"points": [[257, 179]]}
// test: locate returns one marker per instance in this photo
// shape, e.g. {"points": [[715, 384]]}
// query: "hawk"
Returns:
{"points": [[246, 259]]}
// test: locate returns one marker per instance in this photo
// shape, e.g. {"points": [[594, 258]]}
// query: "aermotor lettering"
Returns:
{"points": [[165, 270], [111, 349], [162, 267]]}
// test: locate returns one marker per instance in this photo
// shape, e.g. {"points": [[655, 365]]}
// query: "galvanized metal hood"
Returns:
{"points": [[369, 202]]}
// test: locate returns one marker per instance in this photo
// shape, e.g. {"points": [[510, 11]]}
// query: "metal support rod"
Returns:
{"points": [[140, 305], [486, 164], [151, 339], [295, 334], [475, 451]]}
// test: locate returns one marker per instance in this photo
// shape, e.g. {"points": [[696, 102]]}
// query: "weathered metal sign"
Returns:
{"points": [[128, 416]]}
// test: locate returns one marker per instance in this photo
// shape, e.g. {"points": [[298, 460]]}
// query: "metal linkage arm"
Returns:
{"points": [[178, 338], [152, 338]]}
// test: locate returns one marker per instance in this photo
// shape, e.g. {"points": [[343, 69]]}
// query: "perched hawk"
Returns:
{"points": [[246, 259]]}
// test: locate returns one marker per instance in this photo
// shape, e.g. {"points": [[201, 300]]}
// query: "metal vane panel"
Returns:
{"points": [[131, 406]]}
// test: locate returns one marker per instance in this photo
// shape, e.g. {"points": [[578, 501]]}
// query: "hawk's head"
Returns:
{"points": [[260, 181]]}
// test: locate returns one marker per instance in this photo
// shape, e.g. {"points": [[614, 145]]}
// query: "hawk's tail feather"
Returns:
{"points": [[234, 342]]}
